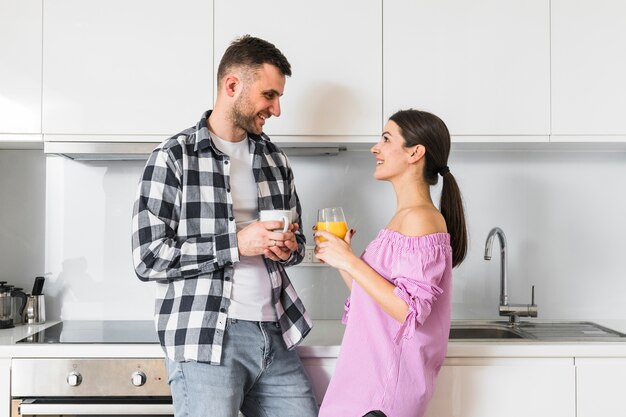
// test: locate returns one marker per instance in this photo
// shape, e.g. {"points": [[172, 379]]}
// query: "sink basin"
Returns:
{"points": [[534, 330], [483, 333]]}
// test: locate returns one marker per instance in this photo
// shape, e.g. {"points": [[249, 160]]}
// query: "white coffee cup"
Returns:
{"points": [[278, 215]]}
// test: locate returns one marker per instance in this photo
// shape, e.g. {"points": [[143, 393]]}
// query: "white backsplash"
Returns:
{"points": [[22, 204], [562, 212]]}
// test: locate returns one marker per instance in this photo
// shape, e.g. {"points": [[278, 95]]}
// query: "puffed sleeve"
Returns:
{"points": [[416, 275]]}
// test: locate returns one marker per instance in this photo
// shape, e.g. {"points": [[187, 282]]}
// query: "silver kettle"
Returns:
{"points": [[8, 294]]}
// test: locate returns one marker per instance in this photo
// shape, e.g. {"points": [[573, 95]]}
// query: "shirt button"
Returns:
{"points": [[225, 162], [222, 310], [231, 218], [228, 190], [226, 278]]}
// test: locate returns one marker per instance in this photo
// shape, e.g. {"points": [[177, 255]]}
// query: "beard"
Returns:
{"points": [[243, 115]]}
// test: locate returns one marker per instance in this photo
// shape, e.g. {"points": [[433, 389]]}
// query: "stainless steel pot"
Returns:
{"points": [[12, 302]]}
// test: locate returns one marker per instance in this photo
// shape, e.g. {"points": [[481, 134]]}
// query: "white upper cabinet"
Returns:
{"points": [[334, 48], [483, 66], [126, 67], [589, 67], [20, 66]]}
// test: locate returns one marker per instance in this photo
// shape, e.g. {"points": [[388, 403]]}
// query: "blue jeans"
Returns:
{"points": [[258, 376]]}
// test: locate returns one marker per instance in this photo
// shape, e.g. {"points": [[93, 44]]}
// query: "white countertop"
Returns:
{"points": [[323, 342]]}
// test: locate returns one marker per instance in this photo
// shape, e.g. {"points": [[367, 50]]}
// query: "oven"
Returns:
{"points": [[89, 387]]}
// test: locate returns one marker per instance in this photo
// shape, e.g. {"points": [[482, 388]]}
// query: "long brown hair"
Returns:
{"points": [[426, 129]]}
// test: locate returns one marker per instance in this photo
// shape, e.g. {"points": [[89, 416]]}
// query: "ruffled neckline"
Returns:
{"points": [[433, 239]]}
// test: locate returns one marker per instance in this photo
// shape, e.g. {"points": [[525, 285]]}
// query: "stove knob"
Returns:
{"points": [[138, 378], [74, 379]]}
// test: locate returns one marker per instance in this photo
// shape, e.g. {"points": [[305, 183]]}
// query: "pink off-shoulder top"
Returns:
{"points": [[384, 365]]}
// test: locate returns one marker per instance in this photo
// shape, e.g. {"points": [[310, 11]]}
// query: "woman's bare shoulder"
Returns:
{"points": [[421, 221]]}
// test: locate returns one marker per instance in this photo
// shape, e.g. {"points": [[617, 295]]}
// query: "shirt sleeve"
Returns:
{"points": [[158, 252], [294, 203], [417, 277]]}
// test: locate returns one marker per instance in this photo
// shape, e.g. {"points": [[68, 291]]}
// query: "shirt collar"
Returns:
{"points": [[203, 138]]}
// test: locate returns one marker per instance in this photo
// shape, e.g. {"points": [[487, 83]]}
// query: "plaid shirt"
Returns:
{"points": [[185, 239]]}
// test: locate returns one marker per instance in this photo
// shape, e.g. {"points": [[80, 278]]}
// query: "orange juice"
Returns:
{"points": [[338, 229]]}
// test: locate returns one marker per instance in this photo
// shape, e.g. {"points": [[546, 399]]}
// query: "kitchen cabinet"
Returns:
{"points": [[588, 83], [126, 68], [600, 386], [5, 386], [486, 387], [482, 66], [20, 70], [335, 50], [320, 371]]}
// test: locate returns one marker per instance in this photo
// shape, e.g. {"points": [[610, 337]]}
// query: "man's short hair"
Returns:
{"points": [[252, 52]]}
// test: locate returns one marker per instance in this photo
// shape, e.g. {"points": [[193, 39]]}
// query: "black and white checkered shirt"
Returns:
{"points": [[185, 239]]}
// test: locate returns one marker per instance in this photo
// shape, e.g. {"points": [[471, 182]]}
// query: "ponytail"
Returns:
{"points": [[451, 207]]}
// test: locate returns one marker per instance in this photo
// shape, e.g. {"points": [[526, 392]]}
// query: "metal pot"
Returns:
{"points": [[9, 304]]}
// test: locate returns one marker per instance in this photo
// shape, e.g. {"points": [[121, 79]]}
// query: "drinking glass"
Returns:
{"points": [[332, 220]]}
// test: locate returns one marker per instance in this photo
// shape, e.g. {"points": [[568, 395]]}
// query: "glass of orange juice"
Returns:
{"points": [[332, 220]]}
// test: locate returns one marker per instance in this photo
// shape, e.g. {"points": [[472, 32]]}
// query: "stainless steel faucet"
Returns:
{"points": [[513, 311]]}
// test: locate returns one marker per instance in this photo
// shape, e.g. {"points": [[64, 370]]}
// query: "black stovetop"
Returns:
{"points": [[96, 331]]}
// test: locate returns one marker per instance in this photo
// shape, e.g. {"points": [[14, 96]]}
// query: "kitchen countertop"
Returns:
{"points": [[322, 342]]}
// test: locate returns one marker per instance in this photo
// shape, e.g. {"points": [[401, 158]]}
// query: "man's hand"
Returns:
{"points": [[282, 253], [259, 238]]}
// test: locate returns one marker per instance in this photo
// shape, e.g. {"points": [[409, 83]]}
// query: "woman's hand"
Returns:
{"points": [[334, 251]]}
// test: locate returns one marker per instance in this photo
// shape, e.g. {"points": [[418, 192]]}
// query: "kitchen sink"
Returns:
{"points": [[487, 330], [483, 333], [570, 331]]}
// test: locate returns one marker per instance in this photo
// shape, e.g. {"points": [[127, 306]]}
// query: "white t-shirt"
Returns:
{"points": [[251, 296]]}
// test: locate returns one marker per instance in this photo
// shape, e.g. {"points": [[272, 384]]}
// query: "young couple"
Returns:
{"points": [[227, 315]]}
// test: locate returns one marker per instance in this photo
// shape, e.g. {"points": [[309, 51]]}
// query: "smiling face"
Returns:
{"points": [[259, 99], [392, 158]]}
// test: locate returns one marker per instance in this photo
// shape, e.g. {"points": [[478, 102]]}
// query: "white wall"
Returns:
{"points": [[22, 200], [564, 223]]}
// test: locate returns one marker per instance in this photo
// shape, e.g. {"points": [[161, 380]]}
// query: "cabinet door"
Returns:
{"points": [[126, 67], [334, 48], [319, 370], [482, 66], [588, 67], [5, 386], [20, 66], [494, 387], [600, 387]]}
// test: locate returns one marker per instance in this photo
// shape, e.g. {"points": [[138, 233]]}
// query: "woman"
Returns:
{"points": [[398, 314]]}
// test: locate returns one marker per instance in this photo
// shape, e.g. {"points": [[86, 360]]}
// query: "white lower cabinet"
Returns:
{"points": [[512, 387], [485, 387], [5, 386], [600, 388], [320, 370]]}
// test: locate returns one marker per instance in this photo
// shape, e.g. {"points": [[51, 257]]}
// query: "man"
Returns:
{"points": [[227, 315]]}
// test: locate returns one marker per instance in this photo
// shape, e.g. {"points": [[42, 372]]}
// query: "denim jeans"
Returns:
{"points": [[258, 376]]}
